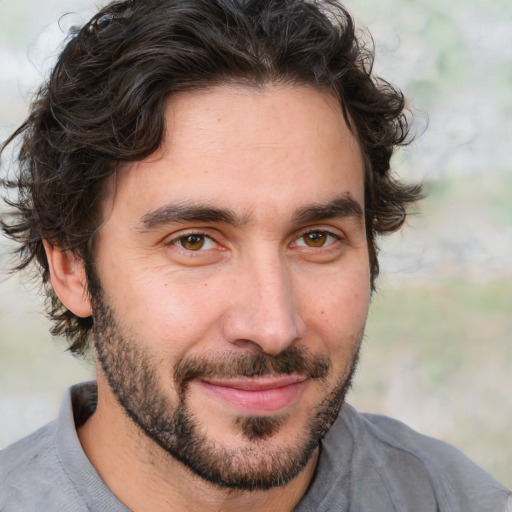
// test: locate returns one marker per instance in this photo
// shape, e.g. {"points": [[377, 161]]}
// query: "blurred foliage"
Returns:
{"points": [[450, 347], [492, 194]]}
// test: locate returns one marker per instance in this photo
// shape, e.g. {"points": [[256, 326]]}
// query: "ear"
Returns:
{"points": [[67, 274]]}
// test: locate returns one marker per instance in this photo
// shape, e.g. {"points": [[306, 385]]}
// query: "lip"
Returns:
{"points": [[256, 395]]}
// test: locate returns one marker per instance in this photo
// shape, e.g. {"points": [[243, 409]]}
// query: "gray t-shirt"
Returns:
{"points": [[367, 463]]}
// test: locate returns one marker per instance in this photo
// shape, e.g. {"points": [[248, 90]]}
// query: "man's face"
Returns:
{"points": [[233, 281]]}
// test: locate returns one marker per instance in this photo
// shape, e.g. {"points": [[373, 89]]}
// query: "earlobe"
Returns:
{"points": [[68, 279]]}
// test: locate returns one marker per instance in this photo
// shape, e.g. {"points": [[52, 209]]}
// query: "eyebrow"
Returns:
{"points": [[187, 212], [343, 206], [340, 207]]}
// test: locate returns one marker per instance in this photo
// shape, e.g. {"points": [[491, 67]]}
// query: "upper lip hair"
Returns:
{"points": [[255, 383]]}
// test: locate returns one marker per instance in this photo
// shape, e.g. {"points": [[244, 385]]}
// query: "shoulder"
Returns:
{"points": [[32, 477], [29, 452], [406, 459], [393, 436], [23, 462]]}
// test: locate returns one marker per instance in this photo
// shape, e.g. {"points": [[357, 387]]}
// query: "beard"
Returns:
{"points": [[256, 464]]}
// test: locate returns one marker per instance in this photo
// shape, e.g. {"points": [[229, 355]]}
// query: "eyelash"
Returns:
{"points": [[326, 232], [178, 241]]}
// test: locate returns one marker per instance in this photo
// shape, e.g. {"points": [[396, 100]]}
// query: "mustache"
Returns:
{"points": [[292, 360]]}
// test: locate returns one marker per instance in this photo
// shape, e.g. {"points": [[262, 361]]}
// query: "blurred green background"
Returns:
{"points": [[438, 346]]}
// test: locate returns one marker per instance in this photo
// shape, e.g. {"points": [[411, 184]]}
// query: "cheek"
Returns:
{"points": [[338, 313], [167, 314]]}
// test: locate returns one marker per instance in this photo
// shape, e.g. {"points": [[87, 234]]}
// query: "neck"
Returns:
{"points": [[146, 478]]}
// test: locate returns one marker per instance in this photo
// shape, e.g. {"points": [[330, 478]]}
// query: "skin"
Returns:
{"points": [[261, 282]]}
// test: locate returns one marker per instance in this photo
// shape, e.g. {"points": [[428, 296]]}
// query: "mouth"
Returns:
{"points": [[256, 396]]}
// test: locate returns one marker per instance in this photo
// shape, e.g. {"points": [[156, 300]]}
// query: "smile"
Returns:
{"points": [[256, 396]]}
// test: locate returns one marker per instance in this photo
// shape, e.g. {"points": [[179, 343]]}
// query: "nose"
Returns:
{"points": [[264, 313]]}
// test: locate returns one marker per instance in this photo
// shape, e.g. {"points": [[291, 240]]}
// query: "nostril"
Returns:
{"points": [[248, 345]]}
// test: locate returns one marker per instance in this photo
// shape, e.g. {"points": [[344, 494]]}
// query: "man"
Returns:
{"points": [[201, 183]]}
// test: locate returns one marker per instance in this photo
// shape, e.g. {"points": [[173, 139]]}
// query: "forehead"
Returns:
{"points": [[268, 148]]}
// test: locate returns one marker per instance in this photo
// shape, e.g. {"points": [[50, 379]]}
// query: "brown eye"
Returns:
{"points": [[315, 238], [194, 242]]}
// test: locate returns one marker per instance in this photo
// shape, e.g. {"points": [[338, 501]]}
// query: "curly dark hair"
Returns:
{"points": [[104, 104]]}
